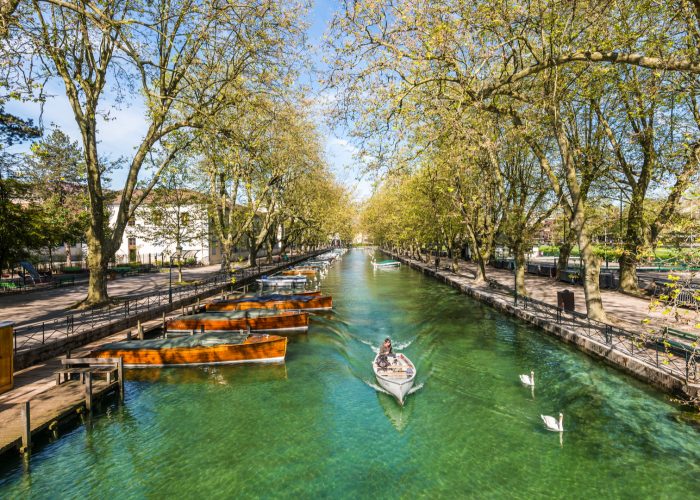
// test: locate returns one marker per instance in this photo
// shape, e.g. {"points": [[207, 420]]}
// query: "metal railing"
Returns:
{"points": [[60, 329], [658, 349], [654, 348]]}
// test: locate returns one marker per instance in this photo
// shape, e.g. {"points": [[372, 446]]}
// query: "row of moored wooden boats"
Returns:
{"points": [[238, 330]]}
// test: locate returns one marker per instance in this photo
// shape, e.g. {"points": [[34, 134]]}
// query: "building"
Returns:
{"points": [[153, 234]]}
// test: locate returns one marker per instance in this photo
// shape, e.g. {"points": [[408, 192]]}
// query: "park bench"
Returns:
{"points": [[106, 367]]}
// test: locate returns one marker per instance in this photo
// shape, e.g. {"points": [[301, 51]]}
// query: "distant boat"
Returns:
{"points": [[193, 350], [396, 376], [255, 320], [283, 281], [286, 293], [309, 272], [275, 301], [386, 264]]}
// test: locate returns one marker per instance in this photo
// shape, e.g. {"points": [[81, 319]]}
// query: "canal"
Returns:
{"points": [[318, 426]]}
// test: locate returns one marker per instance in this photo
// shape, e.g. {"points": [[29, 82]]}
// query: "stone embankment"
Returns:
{"points": [[633, 353]]}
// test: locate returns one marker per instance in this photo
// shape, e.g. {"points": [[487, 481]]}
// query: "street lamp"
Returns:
{"points": [[178, 251]]}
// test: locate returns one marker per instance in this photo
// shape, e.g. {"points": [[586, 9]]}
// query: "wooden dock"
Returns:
{"points": [[47, 410], [51, 404]]}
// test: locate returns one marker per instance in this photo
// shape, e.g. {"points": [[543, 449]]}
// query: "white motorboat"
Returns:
{"points": [[386, 264], [395, 374], [283, 281]]}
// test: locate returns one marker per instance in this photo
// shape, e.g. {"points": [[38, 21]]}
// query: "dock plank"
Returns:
{"points": [[46, 407]]}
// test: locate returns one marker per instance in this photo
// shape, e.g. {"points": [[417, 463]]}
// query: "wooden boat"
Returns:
{"points": [[318, 264], [286, 293], [257, 320], [386, 264], [193, 350], [396, 376], [277, 301], [308, 272]]}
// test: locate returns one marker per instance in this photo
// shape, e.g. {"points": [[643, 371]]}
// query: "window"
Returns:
{"points": [[132, 222], [132, 242]]}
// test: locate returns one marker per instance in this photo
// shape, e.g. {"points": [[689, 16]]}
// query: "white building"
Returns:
{"points": [[141, 244]]}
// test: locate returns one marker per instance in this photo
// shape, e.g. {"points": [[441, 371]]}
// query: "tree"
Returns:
{"points": [[20, 222], [180, 55], [56, 173]]}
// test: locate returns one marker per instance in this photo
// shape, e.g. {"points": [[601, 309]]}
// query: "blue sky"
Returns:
{"points": [[120, 134]]}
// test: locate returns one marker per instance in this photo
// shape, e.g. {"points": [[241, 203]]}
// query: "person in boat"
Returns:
{"points": [[385, 349], [384, 353]]}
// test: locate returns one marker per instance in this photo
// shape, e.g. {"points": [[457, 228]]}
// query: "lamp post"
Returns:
{"points": [[178, 251], [170, 285]]}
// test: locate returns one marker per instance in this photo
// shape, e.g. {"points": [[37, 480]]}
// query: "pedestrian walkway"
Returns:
{"points": [[624, 311], [48, 304], [667, 363]]}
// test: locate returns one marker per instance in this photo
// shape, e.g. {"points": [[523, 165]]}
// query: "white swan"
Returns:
{"points": [[552, 424], [528, 380]]}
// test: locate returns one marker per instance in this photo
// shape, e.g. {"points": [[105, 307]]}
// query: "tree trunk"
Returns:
{"points": [[97, 265], [634, 243], [252, 253], [269, 252], [564, 255], [591, 278], [519, 270], [69, 259]]}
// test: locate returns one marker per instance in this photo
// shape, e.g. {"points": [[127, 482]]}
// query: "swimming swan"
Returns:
{"points": [[552, 425], [528, 380]]}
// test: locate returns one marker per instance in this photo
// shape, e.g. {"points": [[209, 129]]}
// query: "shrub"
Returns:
{"points": [[549, 250]]}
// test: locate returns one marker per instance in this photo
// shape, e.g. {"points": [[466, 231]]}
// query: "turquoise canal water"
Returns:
{"points": [[319, 427]]}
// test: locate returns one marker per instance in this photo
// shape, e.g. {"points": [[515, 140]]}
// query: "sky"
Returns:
{"points": [[126, 126]]}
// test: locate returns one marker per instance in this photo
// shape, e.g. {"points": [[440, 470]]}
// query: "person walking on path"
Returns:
{"points": [[437, 263]]}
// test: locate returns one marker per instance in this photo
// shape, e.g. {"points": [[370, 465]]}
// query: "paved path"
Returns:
{"points": [[623, 310], [48, 304]]}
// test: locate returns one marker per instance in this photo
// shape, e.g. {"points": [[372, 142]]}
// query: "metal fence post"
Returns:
{"points": [[88, 391], [26, 427]]}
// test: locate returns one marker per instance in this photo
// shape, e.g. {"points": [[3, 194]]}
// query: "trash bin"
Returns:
{"points": [[565, 300], [6, 356]]}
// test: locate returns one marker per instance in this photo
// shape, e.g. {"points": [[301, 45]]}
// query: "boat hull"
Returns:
{"points": [[397, 387], [286, 320], [313, 304], [263, 349], [309, 273]]}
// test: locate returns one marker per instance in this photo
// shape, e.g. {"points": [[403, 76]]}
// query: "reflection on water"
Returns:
{"points": [[220, 374], [318, 427]]}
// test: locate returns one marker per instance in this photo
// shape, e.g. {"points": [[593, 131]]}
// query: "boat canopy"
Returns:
{"points": [[247, 313], [199, 340], [273, 297]]}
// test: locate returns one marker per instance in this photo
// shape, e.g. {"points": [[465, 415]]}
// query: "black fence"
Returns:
{"points": [[659, 349], [27, 337]]}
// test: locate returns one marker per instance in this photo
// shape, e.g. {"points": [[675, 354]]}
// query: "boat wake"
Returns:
{"points": [[376, 387], [416, 388], [400, 346]]}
